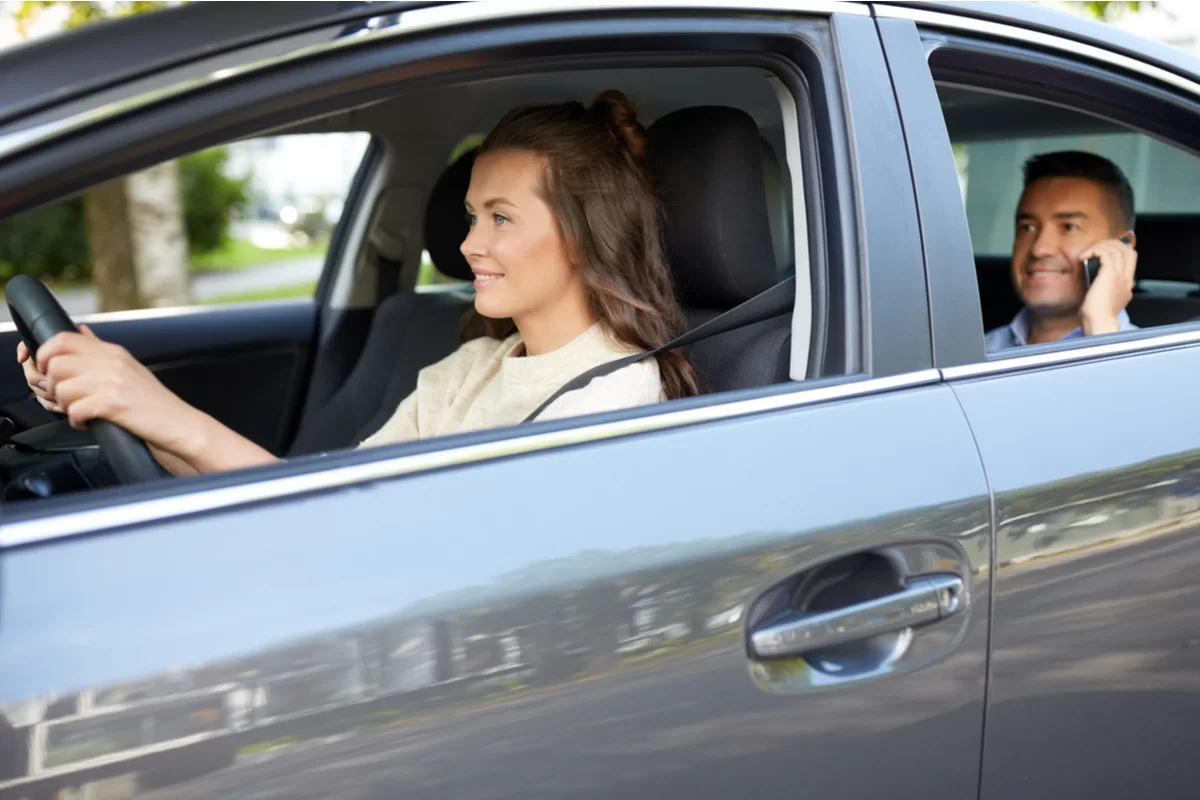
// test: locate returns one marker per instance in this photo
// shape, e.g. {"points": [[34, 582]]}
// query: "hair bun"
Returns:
{"points": [[616, 113]]}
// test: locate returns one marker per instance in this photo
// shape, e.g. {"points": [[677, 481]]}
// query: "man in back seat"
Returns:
{"points": [[1075, 205]]}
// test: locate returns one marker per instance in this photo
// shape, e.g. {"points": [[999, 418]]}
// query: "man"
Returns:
{"points": [[1075, 206]]}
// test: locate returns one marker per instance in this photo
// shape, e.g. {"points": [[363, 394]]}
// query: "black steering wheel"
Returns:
{"points": [[38, 317]]}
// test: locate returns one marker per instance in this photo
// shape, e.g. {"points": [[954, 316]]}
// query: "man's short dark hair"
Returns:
{"points": [[1089, 166]]}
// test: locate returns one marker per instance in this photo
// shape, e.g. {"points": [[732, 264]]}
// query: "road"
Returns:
{"points": [[695, 729], [210, 285]]}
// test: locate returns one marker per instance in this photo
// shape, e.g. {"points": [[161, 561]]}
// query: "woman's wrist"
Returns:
{"points": [[208, 446], [194, 436]]}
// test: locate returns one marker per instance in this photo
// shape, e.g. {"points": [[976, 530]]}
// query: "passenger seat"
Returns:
{"points": [[1168, 248], [410, 331], [709, 164]]}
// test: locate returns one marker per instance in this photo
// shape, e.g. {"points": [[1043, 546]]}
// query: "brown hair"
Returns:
{"points": [[601, 196]]}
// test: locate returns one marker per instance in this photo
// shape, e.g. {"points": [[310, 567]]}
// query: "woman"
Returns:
{"points": [[566, 246]]}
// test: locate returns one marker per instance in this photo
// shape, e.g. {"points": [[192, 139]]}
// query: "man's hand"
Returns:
{"points": [[1113, 288]]}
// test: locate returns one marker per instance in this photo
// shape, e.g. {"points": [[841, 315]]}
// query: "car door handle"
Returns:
{"points": [[926, 600]]}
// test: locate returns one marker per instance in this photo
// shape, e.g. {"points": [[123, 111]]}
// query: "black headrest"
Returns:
{"points": [[446, 225], [708, 164], [1168, 247]]}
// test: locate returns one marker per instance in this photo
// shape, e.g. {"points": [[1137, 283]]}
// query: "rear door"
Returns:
{"points": [[1092, 453], [773, 592]]}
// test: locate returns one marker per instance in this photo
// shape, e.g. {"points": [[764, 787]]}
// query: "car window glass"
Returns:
{"points": [[994, 135], [248, 221]]}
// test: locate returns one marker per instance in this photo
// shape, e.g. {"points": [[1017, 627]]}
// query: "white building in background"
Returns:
{"points": [[300, 172]]}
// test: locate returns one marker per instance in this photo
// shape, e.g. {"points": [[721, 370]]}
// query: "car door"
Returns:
{"points": [[775, 591], [1091, 453], [248, 368]]}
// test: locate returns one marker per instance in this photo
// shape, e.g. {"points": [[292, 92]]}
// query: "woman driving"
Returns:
{"points": [[566, 246]]}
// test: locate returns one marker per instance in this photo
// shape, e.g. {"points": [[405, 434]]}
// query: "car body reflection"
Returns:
{"points": [[642, 609]]}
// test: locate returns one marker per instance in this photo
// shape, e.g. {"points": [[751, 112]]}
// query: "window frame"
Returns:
{"points": [[847, 88], [1068, 74]]}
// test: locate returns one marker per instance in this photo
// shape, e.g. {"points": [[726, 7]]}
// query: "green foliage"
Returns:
{"points": [[209, 198], [83, 13], [1111, 9], [315, 226], [468, 143], [51, 242]]}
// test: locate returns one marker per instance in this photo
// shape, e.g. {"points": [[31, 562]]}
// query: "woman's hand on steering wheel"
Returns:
{"points": [[38, 382], [85, 378]]}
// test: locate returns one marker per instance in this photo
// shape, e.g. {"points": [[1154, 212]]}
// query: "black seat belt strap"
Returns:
{"points": [[775, 301]]}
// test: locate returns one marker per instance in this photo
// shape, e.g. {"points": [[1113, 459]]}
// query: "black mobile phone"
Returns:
{"points": [[1092, 265]]}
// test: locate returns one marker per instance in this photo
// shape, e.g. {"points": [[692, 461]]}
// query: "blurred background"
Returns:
{"points": [[251, 220]]}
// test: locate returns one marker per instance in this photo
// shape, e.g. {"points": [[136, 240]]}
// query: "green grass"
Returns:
{"points": [[237, 254], [307, 289]]}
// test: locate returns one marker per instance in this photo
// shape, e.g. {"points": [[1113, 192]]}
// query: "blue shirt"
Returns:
{"points": [[1016, 333]]}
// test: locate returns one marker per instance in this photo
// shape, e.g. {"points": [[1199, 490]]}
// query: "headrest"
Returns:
{"points": [[1168, 247], [708, 164], [446, 225]]}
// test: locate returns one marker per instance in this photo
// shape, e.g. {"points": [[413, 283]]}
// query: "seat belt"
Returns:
{"points": [[387, 277], [777, 300]]}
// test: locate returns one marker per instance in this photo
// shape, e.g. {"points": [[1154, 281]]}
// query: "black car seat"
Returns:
{"points": [[1168, 248], [410, 331], [709, 165]]}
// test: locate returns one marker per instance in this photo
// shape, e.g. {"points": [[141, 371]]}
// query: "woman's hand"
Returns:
{"points": [[86, 379], [36, 380]]}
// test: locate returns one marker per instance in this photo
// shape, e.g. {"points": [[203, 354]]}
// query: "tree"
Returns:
{"points": [[1111, 9], [135, 226]]}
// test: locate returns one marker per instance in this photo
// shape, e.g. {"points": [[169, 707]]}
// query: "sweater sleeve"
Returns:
{"points": [[400, 427]]}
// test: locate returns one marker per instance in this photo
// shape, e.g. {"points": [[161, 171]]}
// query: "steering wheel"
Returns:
{"points": [[38, 317]]}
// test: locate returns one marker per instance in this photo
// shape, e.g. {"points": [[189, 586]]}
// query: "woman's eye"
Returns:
{"points": [[1070, 227], [1025, 227], [500, 219], [470, 218]]}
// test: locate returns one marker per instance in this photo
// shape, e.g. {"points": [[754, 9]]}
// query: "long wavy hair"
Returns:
{"points": [[602, 198]]}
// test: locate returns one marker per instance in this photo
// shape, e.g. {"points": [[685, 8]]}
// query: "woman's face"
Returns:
{"points": [[522, 270]]}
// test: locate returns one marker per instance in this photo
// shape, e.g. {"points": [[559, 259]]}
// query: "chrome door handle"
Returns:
{"points": [[925, 600]]}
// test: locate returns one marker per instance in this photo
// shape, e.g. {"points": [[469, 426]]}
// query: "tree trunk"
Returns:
{"points": [[137, 240], [160, 249], [106, 211]]}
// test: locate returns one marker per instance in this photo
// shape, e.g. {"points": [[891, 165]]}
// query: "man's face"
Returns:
{"points": [[1057, 219]]}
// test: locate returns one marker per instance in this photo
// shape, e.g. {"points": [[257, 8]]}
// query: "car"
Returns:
{"points": [[873, 560]]}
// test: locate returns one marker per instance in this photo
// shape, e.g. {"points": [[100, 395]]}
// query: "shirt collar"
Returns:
{"points": [[1019, 327]]}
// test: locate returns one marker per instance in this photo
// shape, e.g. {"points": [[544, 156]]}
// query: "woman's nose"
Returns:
{"points": [[474, 244]]}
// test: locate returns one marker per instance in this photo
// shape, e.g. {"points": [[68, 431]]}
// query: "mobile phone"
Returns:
{"points": [[1092, 265]]}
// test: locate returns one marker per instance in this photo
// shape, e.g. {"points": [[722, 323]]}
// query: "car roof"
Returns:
{"points": [[59, 68], [1070, 26], [121, 54]]}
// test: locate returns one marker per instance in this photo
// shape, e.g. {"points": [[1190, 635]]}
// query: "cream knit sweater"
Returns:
{"points": [[484, 385]]}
